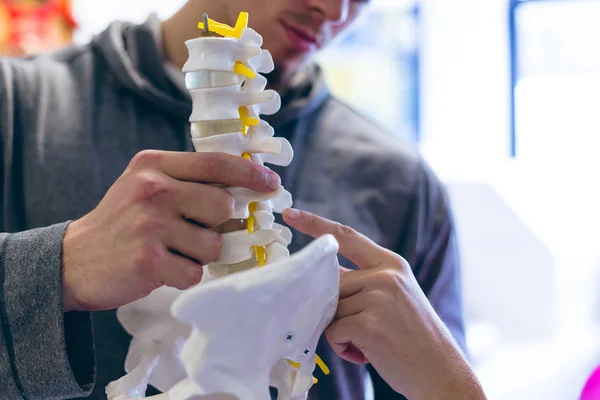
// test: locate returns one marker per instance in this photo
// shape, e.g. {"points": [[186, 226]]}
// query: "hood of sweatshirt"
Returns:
{"points": [[134, 54]]}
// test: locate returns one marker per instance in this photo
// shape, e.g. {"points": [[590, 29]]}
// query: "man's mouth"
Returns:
{"points": [[301, 39]]}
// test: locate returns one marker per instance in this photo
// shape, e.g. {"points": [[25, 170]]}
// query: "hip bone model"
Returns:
{"points": [[255, 320]]}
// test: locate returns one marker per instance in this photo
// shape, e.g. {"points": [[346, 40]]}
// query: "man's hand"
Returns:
{"points": [[153, 227], [385, 319]]}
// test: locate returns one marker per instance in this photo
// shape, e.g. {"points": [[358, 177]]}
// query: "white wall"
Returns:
{"points": [[528, 227], [465, 109], [465, 84]]}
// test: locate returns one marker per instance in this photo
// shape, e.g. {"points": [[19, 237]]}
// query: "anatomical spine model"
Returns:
{"points": [[243, 328], [228, 94]]}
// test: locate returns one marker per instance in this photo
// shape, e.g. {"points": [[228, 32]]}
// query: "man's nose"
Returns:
{"points": [[335, 11]]}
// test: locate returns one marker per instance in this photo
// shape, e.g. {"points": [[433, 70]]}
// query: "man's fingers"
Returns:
{"points": [[194, 242], [205, 204], [343, 336], [353, 282], [179, 272], [357, 248], [215, 168], [350, 306]]}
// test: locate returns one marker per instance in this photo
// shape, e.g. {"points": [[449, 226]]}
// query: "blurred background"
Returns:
{"points": [[503, 99]]}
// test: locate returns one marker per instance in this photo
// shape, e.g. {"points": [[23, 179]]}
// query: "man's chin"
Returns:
{"points": [[296, 63], [285, 70]]}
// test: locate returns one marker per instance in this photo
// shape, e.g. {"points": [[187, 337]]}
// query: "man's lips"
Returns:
{"points": [[300, 38]]}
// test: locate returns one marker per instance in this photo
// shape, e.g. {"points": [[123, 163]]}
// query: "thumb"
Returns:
{"points": [[356, 247]]}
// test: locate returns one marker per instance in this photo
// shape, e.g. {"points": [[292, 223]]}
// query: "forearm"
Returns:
{"points": [[438, 368], [44, 347], [456, 380], [453, 377]]}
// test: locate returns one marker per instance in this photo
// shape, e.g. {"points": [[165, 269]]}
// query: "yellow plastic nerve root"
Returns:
{"points": [[250, 223], [241, 69], [246, 120], [226, 30], [319, 362], [261, 253], [322, 365]]}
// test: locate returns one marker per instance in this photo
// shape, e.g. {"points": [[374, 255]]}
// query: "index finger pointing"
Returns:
{"points": [[356, 247]]}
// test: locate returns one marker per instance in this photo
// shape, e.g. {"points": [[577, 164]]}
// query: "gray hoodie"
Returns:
{"points": [[71, 121]]}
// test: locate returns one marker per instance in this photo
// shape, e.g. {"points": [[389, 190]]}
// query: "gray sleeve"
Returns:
{"points": [[437, 263], [45, 354]]}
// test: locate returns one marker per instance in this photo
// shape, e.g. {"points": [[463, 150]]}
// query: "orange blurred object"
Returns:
{"points": [[31, 26]]}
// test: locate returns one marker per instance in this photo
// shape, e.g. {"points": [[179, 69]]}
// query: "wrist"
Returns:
{"points": [[70, 268], [444, 372]]}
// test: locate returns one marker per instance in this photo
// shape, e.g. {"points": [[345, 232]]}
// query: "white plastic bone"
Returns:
{"points": [[277, 151], [285, 235], [279, 200], [218, 54], [211, 128], [263, 220], [134, 384], [158, 337], [206, 79], [276, 252], [249, 35], [228, 352], [217, 270], [282, 202], [236, 144], [246, 326], [262, 63], [261, 131], [149, 318], [221, 54], [258, 84], [238, 246], [286, 154], [227, 100]]}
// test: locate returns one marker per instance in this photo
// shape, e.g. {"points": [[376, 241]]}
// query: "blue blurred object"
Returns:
{"points": [[376, 68]]}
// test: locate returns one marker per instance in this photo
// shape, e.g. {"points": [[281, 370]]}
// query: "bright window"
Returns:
{"points": [[556, 78]]}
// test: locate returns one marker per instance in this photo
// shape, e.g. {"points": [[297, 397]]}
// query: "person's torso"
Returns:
{"points": [[67, 157]]}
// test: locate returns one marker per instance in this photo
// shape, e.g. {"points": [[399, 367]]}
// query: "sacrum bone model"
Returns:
{"points": [[255, 320]]}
